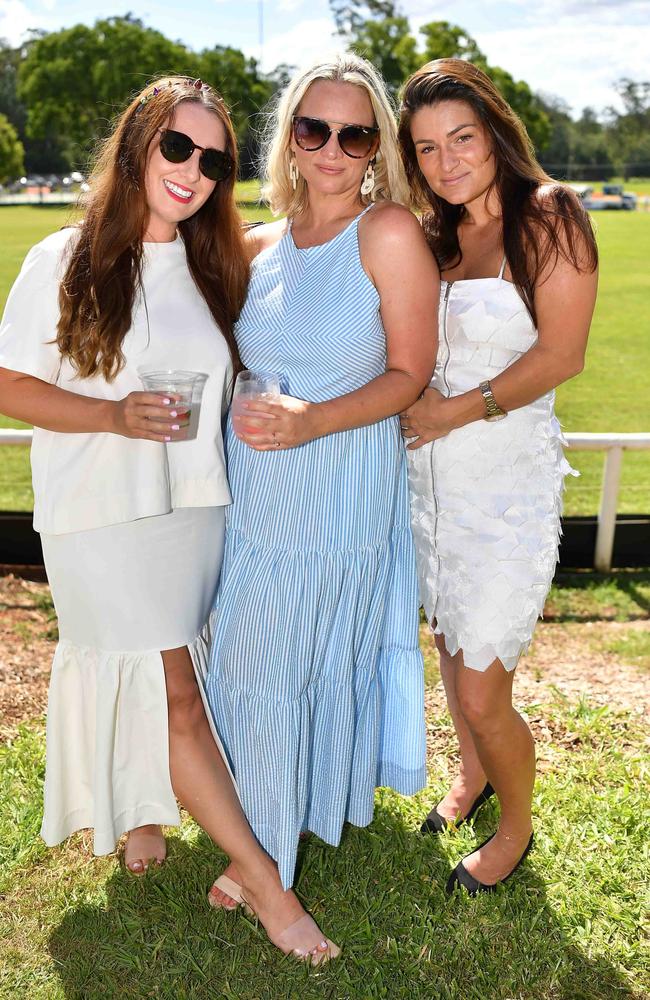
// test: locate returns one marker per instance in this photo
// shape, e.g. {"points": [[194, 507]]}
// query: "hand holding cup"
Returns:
{"points": [[160, 413]]}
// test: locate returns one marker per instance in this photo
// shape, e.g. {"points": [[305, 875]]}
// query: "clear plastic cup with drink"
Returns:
{"points": [[183, 389], [249, 386]]}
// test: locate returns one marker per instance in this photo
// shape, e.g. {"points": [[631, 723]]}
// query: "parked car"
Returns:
{"points": [[612, 197]]}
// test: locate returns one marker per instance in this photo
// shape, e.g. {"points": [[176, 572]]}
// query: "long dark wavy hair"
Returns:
{"points": [[104, 271], [536, 230]]}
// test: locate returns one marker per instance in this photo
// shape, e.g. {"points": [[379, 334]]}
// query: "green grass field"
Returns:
{"points": [[612, 394], [567, 927]]}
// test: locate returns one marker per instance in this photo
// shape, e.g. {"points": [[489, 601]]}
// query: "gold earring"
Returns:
{"points": [[293, 171], [368, 185]]}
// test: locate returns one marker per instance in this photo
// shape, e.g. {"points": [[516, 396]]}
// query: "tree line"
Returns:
{"points": [[60, 90]]}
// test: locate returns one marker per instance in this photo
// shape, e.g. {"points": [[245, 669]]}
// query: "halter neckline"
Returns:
{"points": [[317, 246]]}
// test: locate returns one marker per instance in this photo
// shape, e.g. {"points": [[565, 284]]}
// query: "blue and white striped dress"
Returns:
{"points": [[316, 678]]}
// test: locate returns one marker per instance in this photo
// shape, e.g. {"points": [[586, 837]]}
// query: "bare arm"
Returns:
{"points": [[398, 261], [138, 415], [564, 301]]}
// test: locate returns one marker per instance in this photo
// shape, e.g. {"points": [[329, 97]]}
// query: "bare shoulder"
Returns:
{"points": [[262, 237], [390, 228], [390, 218], [392, 245]]}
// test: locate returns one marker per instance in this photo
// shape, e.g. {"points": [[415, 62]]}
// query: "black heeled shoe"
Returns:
{"points": [[435, 823], [461, 877]]}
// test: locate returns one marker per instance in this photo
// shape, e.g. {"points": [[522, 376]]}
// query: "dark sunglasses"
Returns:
{"points": [[356, 141], [176, 147]]}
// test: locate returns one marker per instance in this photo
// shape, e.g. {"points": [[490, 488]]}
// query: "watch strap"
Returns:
{"points": [[492, 408]]}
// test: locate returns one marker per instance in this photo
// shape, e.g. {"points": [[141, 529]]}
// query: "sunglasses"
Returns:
{"points": [[356, 141], [176, 147]]}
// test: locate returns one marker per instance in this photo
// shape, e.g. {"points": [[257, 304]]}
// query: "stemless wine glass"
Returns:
{"points": [[252, 385]]}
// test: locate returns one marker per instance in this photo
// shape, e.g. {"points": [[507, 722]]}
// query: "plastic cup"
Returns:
{"points": [[251, 385], [184, 389]]}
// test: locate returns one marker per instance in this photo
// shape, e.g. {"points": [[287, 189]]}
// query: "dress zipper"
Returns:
{"points": [[444, 333], [433, 443]]}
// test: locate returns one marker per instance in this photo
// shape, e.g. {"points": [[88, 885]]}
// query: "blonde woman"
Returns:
{"points": [[316, 680]]}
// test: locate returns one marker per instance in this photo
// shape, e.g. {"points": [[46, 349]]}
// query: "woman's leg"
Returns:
{"points": [[470, 780], [506, 750], [203, 786]]}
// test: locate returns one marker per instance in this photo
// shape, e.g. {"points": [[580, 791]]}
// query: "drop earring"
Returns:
{"points": [[293, 172], [368, 185]]}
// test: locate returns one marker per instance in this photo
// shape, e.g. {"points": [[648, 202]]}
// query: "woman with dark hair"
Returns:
{"points": [[130, 506], [518, 261]]}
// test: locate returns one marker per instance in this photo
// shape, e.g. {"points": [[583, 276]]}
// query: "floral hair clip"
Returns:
{"points": [[154, 93], [147, 97]]}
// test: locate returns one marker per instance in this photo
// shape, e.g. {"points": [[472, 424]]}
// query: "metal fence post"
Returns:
{"points": [[607, 515]]}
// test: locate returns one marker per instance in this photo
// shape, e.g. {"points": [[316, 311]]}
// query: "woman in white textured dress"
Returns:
{"points": [[129, 504], [518, 262]]}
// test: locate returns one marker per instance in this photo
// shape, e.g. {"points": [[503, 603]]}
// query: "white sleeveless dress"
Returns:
{"points": [[486, 499]]}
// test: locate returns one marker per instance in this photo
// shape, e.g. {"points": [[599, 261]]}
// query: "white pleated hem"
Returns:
{"points": [[108, 742]]}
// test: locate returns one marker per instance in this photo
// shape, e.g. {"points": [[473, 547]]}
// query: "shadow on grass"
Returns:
{"points": [[381, 895]]}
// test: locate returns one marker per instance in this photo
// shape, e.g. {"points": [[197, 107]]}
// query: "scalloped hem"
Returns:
{"points": [[481, 657]]}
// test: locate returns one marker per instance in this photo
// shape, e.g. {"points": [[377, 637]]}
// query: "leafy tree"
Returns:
{"points": [[73, 81], [390, 47], [10, 103], [629, 132], [377, 30], [12, 153], [556, 153], [244, 90], [351, 15], [443, 40]]}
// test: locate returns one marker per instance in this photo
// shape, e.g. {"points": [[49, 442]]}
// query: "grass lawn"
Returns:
{"points": [[567, 927], [612, 394]]}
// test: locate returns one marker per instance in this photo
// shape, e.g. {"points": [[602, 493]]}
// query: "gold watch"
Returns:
{"points": [[492, 409]]}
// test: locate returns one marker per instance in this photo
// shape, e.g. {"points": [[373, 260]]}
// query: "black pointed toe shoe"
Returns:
{"points": [[461, 877], [435, 823]]}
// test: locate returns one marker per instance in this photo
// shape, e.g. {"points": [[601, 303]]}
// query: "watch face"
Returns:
{"points": [[496, 416]]}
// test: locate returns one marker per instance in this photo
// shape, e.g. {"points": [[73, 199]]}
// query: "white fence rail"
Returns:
{"points": [[612, 444]]}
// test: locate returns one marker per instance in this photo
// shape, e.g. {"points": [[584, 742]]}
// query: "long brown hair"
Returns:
{"points": [[104, 272], [536, 230]]}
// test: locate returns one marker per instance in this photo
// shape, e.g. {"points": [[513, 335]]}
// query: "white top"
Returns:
{"points": [[84, 481]]}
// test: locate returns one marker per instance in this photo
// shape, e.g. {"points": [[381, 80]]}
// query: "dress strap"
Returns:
{"points": [[502, 269]]}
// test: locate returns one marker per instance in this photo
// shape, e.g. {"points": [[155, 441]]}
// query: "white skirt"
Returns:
{"points": [[122, 594]]}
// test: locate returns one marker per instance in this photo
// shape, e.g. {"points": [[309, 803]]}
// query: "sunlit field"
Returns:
{"points": [[612, 394]]}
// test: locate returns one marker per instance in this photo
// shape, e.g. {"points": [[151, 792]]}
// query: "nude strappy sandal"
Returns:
{"points": [[303, 938], [232, 889]]}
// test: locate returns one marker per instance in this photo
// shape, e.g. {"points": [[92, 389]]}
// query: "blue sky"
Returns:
{"points": [[573, 48]]}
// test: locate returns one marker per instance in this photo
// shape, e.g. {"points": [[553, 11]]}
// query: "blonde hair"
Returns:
{"points": [[390, 179]]}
